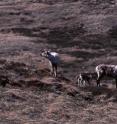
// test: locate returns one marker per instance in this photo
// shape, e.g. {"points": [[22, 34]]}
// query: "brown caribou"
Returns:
{"points": [[85, 78], [54, 60], [103, 70]]}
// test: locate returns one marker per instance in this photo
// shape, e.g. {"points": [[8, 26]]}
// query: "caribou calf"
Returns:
{"points": [[106, 70], [84, 78]]}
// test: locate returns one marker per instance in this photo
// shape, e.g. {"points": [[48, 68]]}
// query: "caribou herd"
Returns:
{"points": [[100, 71], [85, 78]]}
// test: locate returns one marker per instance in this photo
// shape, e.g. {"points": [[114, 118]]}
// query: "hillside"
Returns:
{"points": [[84, 33]]}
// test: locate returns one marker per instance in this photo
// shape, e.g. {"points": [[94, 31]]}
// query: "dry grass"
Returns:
{"points": [[84, 33]]}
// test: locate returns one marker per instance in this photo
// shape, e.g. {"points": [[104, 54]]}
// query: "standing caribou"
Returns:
{"points": [[106, 70], [53, 58], [85, 78]]}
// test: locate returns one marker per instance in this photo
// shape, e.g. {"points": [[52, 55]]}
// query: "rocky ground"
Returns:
{"points": [[84, 33]]}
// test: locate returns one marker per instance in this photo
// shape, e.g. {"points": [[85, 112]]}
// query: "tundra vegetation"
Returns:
{"points": [[84, 33]]}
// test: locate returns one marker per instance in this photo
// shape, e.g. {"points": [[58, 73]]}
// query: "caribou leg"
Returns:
{"points": [[55, 70], [88, 80], [54, 66], [99, 79]]}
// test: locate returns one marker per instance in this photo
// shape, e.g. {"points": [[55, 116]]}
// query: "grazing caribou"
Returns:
{"points": [[53, 58], [106, 70], [86, 77]]}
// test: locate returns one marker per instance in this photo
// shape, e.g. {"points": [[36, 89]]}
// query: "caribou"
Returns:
{"points": [[106, 70], [85, 78], [54, 61]]}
